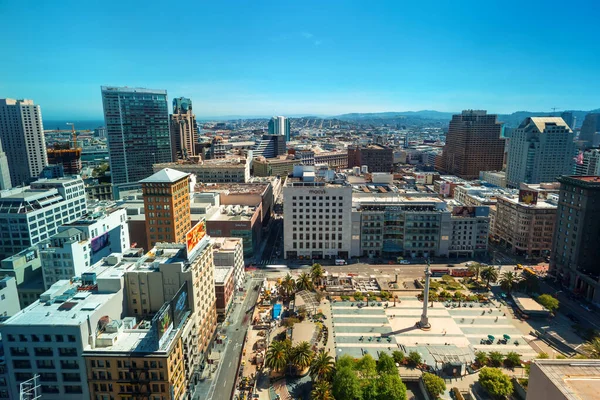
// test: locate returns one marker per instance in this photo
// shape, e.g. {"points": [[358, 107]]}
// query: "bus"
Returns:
{"points": [[439, 272]]}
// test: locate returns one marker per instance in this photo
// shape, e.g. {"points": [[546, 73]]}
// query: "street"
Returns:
{"points": [[220, 385]]}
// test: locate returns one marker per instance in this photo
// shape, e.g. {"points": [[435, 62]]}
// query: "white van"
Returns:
{"points": [[340, 262]]}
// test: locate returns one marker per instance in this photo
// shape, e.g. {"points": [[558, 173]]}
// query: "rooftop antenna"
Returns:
{"points": [[553, 109]]}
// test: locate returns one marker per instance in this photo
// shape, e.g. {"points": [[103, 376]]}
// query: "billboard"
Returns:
{"points": [[163, 323], [528, 197], [194, 235], [445, 189], [100, 242], [463, 211], [179, 304]]}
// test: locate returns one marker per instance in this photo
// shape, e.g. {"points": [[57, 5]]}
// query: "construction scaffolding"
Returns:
{"points": [[30, 389]]}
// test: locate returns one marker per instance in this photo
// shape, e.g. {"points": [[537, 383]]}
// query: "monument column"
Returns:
{"points": [[424, 323]]}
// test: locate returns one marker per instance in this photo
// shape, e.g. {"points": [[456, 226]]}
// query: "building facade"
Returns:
{"points": [[227, 170], [280, 126], [281, 166], [224, 290], [270, 146], [137, 126], [167, 206], [334, 159], [5, 182], [588, 163], [540, 150], [575, 250], [9, 297], [22, 137], [376, 157], [590, 130], [473, 144], [184, 129], [229, 253]]}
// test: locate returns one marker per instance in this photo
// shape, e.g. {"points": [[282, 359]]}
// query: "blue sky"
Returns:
{"points": [[290, 57]]}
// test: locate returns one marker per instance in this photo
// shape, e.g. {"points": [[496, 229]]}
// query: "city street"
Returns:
{"points": [[220, 385]]}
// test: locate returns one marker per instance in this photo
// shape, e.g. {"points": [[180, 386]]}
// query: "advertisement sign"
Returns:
{"points": [[445, 188], [163, 323], [194, 235], [528, 197], [420, 178], [179, 304], [100, 242], [463, 211]]}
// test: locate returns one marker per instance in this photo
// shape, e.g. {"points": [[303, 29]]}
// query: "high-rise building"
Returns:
{"points": [[270, 146], [590, 130], [184, 129], [570, 119], [280, 126], [541, 149], [575, 247], [167, 206], [473, 144], [5, 182], [588, 163], [137, 127], [22, 136]]}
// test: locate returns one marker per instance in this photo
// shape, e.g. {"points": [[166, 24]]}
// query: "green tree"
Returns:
{"points": [[495, 382], [548, 301], [316, 273], [370, 389], [287, 286], [386, 364], [322, 366], [367, 366], [277, 355], [489, 274], [301, 355], [496, 358], [390, 386], [530, 283], [414, 359], [481, 358], [592, 347], [346, 361], [508, 281], [512, 359], [543, 355], [398, 356], [346, 384], [475, 268], [321, 390], [304, 282], [434, 384]]}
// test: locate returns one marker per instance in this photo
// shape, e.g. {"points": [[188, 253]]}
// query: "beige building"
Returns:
{"points": [[525, 226], [280, 166], [564, 380], [335, 159], [228, 252], [225, 170]]}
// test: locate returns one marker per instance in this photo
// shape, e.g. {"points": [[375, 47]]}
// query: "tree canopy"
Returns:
{"points": [[434, 384], [495, 382], [551, 303]]}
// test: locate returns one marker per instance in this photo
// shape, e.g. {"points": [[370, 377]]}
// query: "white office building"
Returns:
{"points": [[228, 252], [317, 214], [540, 150], [588, 163], [34, 213]]}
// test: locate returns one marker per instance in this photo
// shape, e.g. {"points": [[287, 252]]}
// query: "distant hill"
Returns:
{"points": [[425, 114]]}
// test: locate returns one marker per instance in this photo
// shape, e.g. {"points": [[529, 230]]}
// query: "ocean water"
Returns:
{"points": [[91, 124]]}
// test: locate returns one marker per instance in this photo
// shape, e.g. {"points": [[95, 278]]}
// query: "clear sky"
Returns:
{"points": [[291, 57]]}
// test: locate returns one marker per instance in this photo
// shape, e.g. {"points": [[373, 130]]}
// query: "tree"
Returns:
{"points": [[367, 366], [548, 301], [390, 386], [495, 382], [370, 389], [277, 355], [316, 273], [475, 268], [321, 391], [346, 361], [414, 358], [434, 384], [481, 358], [346, 384], [512, 359], [530, 283], [508, 281], [287, 286], [543, 355], [592, 348], [398, 356], [386, 364], [322, 366], [496, 358], [301, 355], [304, 282], [489, 274]]}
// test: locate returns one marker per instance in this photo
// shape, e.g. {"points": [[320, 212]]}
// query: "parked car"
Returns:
{"points": [[404, 262]]}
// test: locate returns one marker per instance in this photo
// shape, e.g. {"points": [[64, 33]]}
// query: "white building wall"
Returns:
{"points": [[9, 297]]}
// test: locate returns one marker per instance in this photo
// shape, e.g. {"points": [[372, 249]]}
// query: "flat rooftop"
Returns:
{"points": [[233, 188], [541, 203], [222, 273], [576, 379], [526, 302], [223, 243]]}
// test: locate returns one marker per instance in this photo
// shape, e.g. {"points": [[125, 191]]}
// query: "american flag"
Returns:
{"points": [[579, 158]]}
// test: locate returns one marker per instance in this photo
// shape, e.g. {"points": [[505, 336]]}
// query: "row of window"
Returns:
{"points": [[38, 338]]}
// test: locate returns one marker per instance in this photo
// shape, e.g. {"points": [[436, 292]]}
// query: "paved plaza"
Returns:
{"points": [[458, 331]]}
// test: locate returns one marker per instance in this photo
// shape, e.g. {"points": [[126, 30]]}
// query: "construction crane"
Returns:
{"points": [[74, 134], [554, 109]]}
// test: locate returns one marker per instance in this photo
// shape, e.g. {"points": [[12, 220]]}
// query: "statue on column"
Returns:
{"points": [[424, 322]]}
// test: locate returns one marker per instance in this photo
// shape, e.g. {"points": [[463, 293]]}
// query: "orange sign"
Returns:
{"points": [[194, 235]]}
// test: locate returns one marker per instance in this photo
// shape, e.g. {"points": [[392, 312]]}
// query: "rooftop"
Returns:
{"points": [[576, 379], [541, 122], [222, 273], [165, 175], [233, 188], [225, 243]]}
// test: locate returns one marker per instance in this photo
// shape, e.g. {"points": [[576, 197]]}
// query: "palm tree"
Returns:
{"points": [[530, 283], [277, 355], [316, 272], [490, 274], [476, 269], [288, 285], [509, 280], [592, 348], [301, 356], [321, 391], [304, 282], [321, 367]]}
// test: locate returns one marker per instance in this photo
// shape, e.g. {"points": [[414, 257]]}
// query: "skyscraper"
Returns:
{"points": [[569, 118], [541, 149], [280, 126], [184, 129], [167, 206], [137, 127], [473, 144], [590, 130], [22, 136], [4, 171]]}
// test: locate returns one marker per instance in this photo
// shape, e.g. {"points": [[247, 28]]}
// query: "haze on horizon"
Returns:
{"points": [[304, 58]]}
